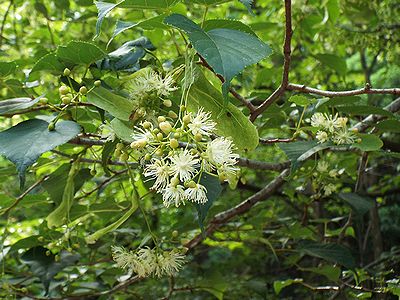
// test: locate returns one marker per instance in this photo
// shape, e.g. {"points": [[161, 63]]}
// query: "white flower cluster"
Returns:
{"points": [[149, 262], [146, 91], [324, 178], [177, 154], [332, 128]]}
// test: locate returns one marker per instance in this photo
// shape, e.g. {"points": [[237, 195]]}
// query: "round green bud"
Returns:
{"points": [[198, 137], [67, 72], [97, 83], [177, 135], [182, 108], [172, 114], [117, 152], [63, 90], [174, 143], [167, 103], [66, 100], [119, 146], [191, 184], [147, 156], [186, 119], [51, 126], [40, 239], [160, 136], [124, 156], [165, 127], [161, 119], [159, 152], [43, 100], [146, 125], [83, 90], [93, 172], [174, 181], [175, 233], [156, 130]]}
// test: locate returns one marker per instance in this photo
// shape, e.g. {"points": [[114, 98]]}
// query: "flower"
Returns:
{"points": [[170, 262], [343, 136], [196, 193], [107, 132], [142, 136], [318, 120], [219, 152], [322, 136], [173, 194], [329, 189], [183, 165], [159, 170], [129, 260], [201, 124], [322, 166]]}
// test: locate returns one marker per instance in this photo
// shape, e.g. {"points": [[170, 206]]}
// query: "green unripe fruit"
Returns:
{"points": [[175, 233], [198, 137], [66, 100], [83, 90], [156, 130], [186, 119], [63, 90], [146, 125], [174, 143], [165, 127], [51, 126], [97, 83], [161, 119], [172, 114], [67, 72], [124, 156], [167, 103]]}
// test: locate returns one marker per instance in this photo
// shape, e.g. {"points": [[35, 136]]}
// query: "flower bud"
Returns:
{"points": [[172, 114], [167, 103], [124, 157], [174, 181], [175, 233], [67, 72], [119, 146], [165, 127], [146, 125], [160, 136], [174, 143], [97, 83], [182, 108], [63, 90], [159, 152], [161, 119], [147, 156], [192, 184], [51, 126], [66, 100], [83, 90], [186, 119], [198, 137], [43, 100]]}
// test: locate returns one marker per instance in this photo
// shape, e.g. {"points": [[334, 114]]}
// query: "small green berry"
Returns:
{"points": [[174, 143], [175, 233], [146, 125], [167, 103], [97, 83], [83, 90], [67, 72], [51, 126], [66, 100]]}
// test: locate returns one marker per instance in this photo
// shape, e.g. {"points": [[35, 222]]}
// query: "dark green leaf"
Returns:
{"points": [[148, 4], [24, 143], [226, 23], [122, 129], [7, 68], [301, 100], [389, 125], [364, 110], [104, 8], [79, 52], [360, 204], [334, 62], [369, 142], [50, 63]]}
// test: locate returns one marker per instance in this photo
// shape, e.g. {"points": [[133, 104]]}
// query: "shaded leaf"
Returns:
{"points": [[79, 52], [103, 8], [369, 142], [7, 68], [122, 129], [50, 63], [360, 204], [334, 62], [148, 4], [11, 105]]}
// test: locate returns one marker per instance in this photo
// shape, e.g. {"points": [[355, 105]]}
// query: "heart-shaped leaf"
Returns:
{"points": [[24, 143]]}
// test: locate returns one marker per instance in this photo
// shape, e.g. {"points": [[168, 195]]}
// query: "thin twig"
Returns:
{"points": [[3, 23]]}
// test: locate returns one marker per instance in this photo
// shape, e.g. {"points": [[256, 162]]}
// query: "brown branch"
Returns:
{"points": [[40, 107], [330, 94], [260, 165], [276, 140], [239, 209], [287, 51]]}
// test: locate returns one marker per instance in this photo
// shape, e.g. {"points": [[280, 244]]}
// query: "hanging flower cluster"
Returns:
{"points": [[176, 153], [149, 262], [324, 179], [148, 90], [332, 128]]}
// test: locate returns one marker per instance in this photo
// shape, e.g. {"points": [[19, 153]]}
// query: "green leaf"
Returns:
{"points": [[11, 105], [369, 142], [227, 51], [45, 266], [330, 272], [330, 252], [279, 285], [334, 62], [229, 24], [122, 129], [301, 100], [214, 189], [24, 143], [116, 105], [79, 52], [231, 122], [103, 8], [148, 4], [364, 110], [360, 205], [298, 152], [389, 125], [49, 63], [247, 4], [107, 152], [7, 68]]}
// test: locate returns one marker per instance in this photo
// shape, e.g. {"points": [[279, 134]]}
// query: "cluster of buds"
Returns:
{"points": [[177, 152], [149, 262], [332, 128], [324, 179]]}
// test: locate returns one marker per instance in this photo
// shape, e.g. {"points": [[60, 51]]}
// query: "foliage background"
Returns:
{"points": [[287, 247]]}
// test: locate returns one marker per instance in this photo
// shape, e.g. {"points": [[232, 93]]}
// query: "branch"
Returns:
{"points": [[260, 165], [239, 209], [287, 51], [3, 23], [365, 90]]}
